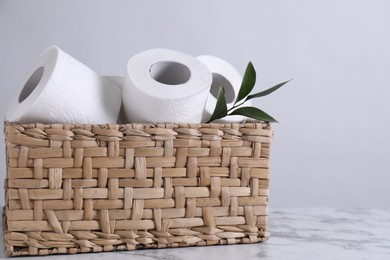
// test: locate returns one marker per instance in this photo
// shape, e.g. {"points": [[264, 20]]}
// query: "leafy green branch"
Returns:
{"points": [[244, 94]]}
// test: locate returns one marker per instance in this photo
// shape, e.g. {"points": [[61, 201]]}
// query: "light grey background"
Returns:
{"points": [[332, 146]]}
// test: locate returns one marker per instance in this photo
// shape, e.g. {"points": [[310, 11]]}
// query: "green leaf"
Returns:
{"points": [[248, 82], [254, 113], [267, 91], [220, 107]]}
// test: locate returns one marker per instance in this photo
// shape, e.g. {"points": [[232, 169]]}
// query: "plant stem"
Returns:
{"points": [[235, 105]]}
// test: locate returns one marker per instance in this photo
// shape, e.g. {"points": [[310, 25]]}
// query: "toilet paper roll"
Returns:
{"points": [[162, 85], [224, 74], [118, 81], [63, 90]]}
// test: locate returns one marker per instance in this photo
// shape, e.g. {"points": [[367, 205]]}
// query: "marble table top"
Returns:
{"points": [[295, 233]]}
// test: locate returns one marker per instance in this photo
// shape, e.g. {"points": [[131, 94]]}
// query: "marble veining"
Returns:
{"points": [[295, 233]]}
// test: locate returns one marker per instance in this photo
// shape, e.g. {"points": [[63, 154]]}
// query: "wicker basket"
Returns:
{"points": [[93, 188]]}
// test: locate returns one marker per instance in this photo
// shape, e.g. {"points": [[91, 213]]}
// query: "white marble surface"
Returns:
{"points": [[296, 233]]}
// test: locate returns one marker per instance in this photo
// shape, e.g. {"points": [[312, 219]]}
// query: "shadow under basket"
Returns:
{"points": [[93, 188]]}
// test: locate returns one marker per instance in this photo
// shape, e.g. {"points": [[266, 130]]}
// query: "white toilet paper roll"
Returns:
{"points": [[165, 86], [224, 74], [118, 81], [63, 90]]}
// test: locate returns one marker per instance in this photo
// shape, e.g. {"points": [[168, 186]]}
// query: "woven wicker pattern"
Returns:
{"points": [[93, 188]]}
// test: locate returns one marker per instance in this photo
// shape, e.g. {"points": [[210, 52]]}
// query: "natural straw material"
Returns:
{"points": [[94, 188]]}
